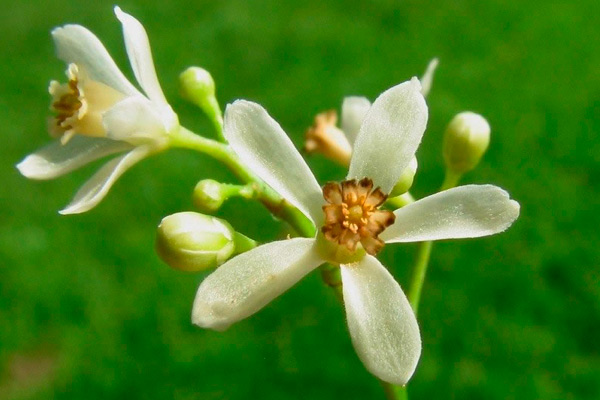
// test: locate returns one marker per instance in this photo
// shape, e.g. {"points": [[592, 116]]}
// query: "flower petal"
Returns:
{"points": [[427, 78], [462, 212], [76, 44], [354, 109], [94, 190], [135, 120], [382, 325], [389, 135], [264, 147], [57, 159], [248, 282], [140, 55]]}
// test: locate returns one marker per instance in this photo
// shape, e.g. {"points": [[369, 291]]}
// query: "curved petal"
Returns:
{"points": [[389, 135], [248, 282], [135, 120], [76, 44], [57, 159], [427, 78], [382, 325], [94, 190], [354, 109], [264, 147], [462, 212], [140, 56]]}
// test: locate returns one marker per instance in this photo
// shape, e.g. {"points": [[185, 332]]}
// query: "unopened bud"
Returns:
{"points": [[406, 179], [466, 139], [209, 195], [190, 241], [197, 86]]}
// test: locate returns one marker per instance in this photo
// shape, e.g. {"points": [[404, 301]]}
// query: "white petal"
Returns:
{"points": [[140, 56], [135, 119], [382, 325], [463, 212], [94, 190], [57, 159], [76, 44], [264, 147], [390, 135], [427, 78], [248, 282], [354, 110]]}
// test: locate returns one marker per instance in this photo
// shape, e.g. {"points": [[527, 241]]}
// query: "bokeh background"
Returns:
{"points": [[87, 310]]}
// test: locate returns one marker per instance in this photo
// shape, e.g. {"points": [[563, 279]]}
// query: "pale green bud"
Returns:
{"points": [[196, 85], [466, 139], [190, 241], [209, 195], [406, 179]]}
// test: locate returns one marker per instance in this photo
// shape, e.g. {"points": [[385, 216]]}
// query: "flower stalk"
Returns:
{"points": [[279, 207]]}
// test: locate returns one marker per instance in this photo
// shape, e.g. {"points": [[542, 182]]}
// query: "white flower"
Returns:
{"points": [[99, 112], [382, 326]]}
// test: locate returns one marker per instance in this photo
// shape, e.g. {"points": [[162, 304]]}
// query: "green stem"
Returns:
{"points": [[424, 251], [450, 180], [394, 392], [419, 273], [243, 243], [213, 112], [278, 206], [246, 191]]}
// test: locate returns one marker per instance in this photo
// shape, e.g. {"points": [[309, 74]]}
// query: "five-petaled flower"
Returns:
{"points": [[382, 325], [98, 112]]}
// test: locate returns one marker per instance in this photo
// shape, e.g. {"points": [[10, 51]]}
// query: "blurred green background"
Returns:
{"points": [[87, 309]]}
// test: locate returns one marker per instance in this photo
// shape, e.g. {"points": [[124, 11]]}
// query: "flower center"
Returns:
{"points": [[67, 105], [352, 215], [79, 105]]}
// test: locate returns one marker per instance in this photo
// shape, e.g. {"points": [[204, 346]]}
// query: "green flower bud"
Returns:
{"points": [[196, 85], [209, 195], [190, 241], [466, 139], [406, 179]]}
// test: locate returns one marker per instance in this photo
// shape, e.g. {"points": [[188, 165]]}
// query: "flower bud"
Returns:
{"points": [[190, 241], [466, 139], [208, 195], [196, 84], [406, 179], [198, 87]]}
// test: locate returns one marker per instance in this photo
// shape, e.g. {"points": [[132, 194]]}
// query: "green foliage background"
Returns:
{"points": [[87, 310]]}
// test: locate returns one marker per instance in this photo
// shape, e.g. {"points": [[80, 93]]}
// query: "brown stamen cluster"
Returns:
{"points": [[79, 105], [67, 105], [352, 215]]}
